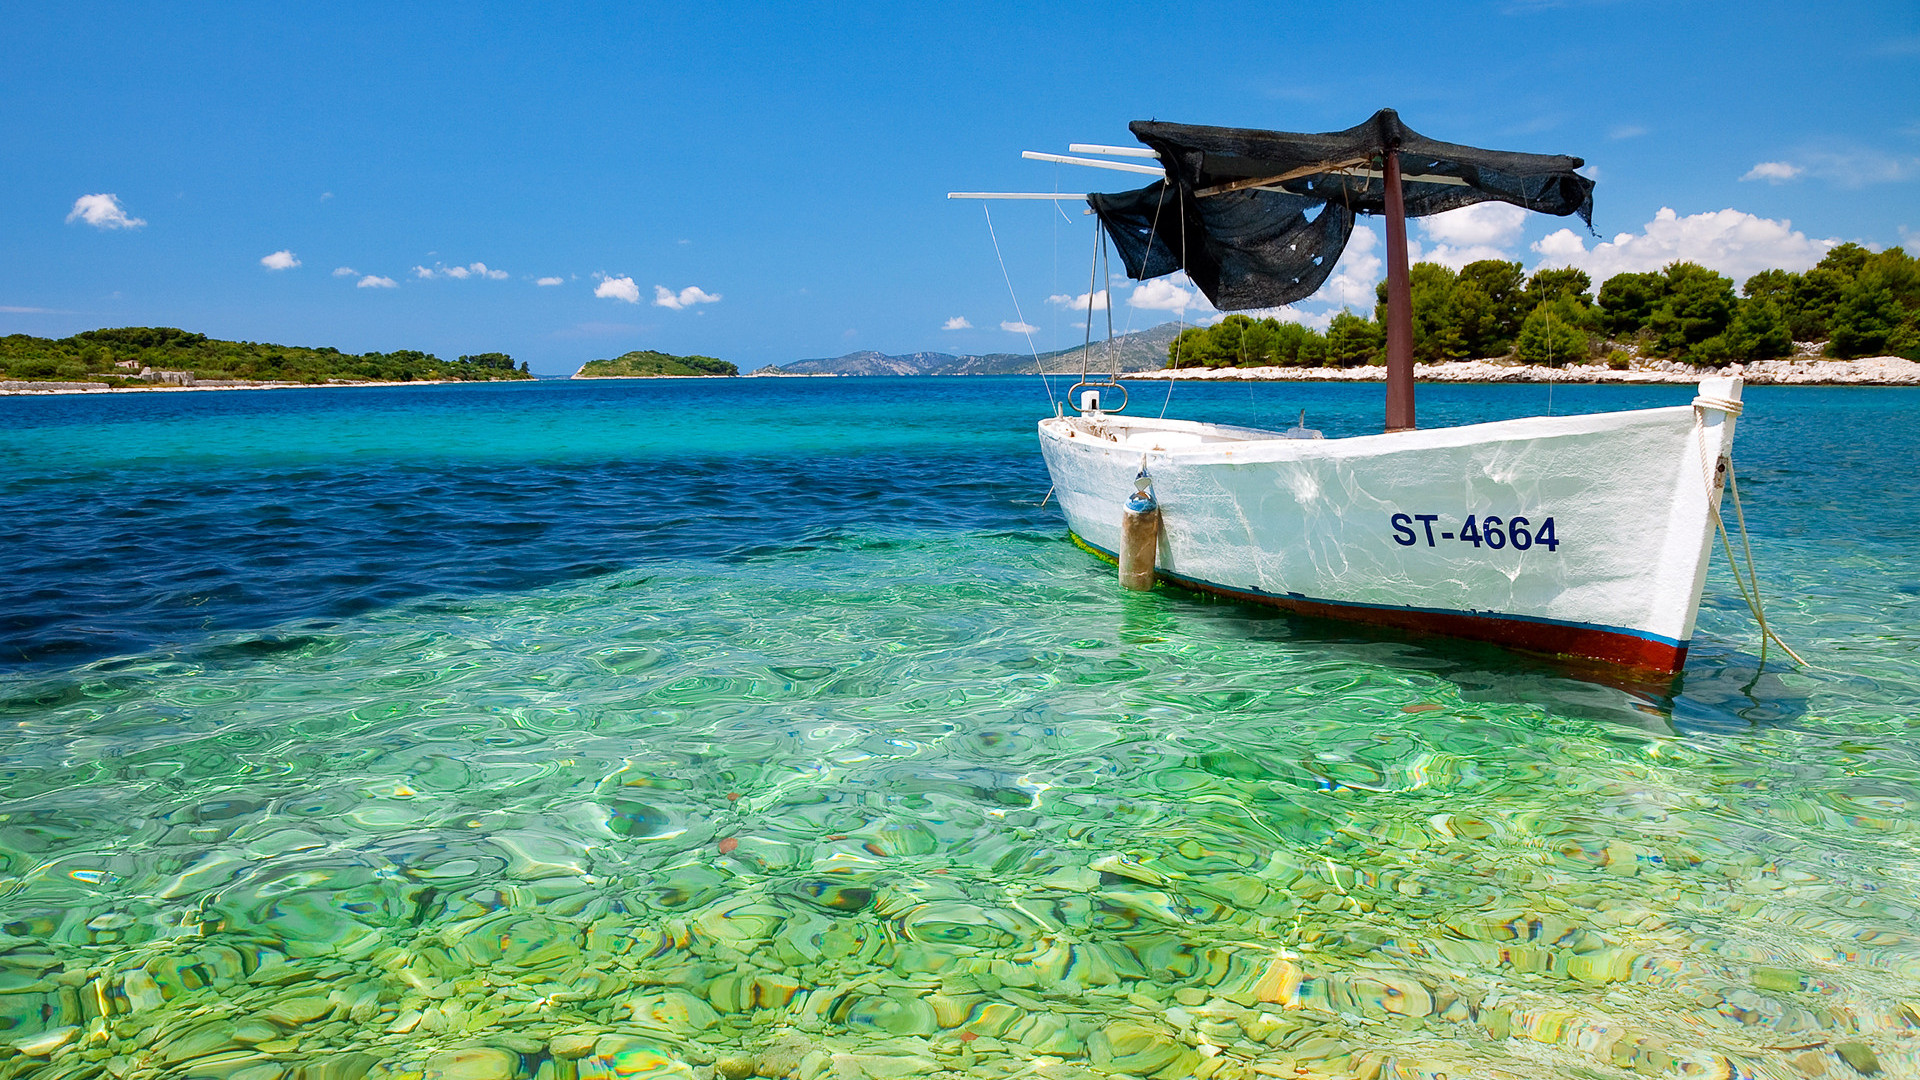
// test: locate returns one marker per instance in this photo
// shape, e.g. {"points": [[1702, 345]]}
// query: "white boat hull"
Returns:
{"points": [[1579, 536]]}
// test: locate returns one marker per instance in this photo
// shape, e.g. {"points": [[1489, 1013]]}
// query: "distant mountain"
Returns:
{"points": [[1142, 351]]}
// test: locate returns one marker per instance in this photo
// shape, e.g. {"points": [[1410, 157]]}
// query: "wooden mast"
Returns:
{"points": [[1399, 303]]}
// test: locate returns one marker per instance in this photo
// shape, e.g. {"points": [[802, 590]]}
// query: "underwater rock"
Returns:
{"points": [[837, 896], [46, 1042], [475, 1063], [1393, 993], [1137, 1050], [1858, 1056], [878, 1066], [1779, 980], [901, 838], [293, 1012], [773, 991], [569, 1047], [893, 1015], [636, 820], [1279, 984], [675, 1010]]}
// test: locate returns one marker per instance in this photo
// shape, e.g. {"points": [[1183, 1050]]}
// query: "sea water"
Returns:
{"points": [[773, 726]]}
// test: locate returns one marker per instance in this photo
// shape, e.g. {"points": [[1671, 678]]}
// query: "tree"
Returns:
{"points": [[1555, 333], [1256, 343], [1296, 346], [498, 361], [1627, 302], [1774, 285], [1549, 285], [1812, 298], [1353, 341], [1698, 305], [1847, 260], [1899, 272], [1436, 329], [1864, 320], [1487, 306], [1193, 348], [1759, 331]]}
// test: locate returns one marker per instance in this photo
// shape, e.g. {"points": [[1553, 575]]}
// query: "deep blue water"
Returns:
{"points": [[134, 521]]}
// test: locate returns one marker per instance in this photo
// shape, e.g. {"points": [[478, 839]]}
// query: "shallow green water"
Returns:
{"points": [[899, 800]]}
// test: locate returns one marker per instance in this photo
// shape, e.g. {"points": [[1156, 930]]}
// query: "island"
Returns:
{"points": [[648, 364], [165, 357]]}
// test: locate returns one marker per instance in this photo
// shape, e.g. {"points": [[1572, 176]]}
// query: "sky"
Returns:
{"points": [[766, 183]]}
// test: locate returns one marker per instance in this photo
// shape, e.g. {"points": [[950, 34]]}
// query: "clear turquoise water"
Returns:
{"points": [[671, 728]]}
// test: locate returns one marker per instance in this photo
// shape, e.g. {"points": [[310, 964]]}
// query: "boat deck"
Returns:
{"points": [[1149, 433]]}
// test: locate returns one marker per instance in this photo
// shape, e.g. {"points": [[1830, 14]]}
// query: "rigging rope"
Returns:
{"points": [[1037, 366], [1181, 326], [1093, 287]]}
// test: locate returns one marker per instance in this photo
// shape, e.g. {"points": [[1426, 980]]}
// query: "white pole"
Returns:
{"points": [[1117, 166], [1057, 196], [1111, 151]]}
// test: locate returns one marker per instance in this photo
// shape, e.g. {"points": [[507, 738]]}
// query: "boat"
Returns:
{"points": [[1578, 537]]}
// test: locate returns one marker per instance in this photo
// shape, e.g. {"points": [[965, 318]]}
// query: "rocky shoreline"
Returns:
{"points": [[1799, 371], [23, 386]]}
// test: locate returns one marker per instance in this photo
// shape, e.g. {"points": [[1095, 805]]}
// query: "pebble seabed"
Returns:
{"points": [[1351, 871]]}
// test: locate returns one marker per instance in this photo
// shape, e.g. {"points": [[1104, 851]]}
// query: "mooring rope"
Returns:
{"points": [[1749, 586]]}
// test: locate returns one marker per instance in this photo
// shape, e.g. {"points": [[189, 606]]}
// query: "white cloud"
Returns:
{"points": [[1774, 172], [685, 298], [958, 322], [1079, 303], [1354, 276], [1481, 231], [325, 195], [460, 273], [1170, 293], [1732, 242], [375, 281], [1842, 166], [344, 271], [102, 212], [279, 260], [550, 281], [1626, 131], [1494, 223], [1019, 327], [618, 288], [1857, 167]]}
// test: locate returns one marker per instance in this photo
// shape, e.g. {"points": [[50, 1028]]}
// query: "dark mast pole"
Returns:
{"points": [[1399, 303]]}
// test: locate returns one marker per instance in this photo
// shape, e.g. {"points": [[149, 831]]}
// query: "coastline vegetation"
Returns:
{"points": [[134, 356], [642, 363], [1854, 303]]}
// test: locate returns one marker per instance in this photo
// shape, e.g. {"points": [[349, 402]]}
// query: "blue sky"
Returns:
{"points": [[766, 183]]}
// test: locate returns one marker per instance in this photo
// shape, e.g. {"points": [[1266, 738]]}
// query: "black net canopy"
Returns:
{"points": [[1259, 218]]}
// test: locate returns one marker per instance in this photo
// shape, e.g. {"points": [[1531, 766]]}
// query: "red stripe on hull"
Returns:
{"points": [[1574, 642], [1580, 643]]}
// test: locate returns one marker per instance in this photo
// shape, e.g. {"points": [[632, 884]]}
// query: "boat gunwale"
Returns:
{"points": [[1243, 451]]}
